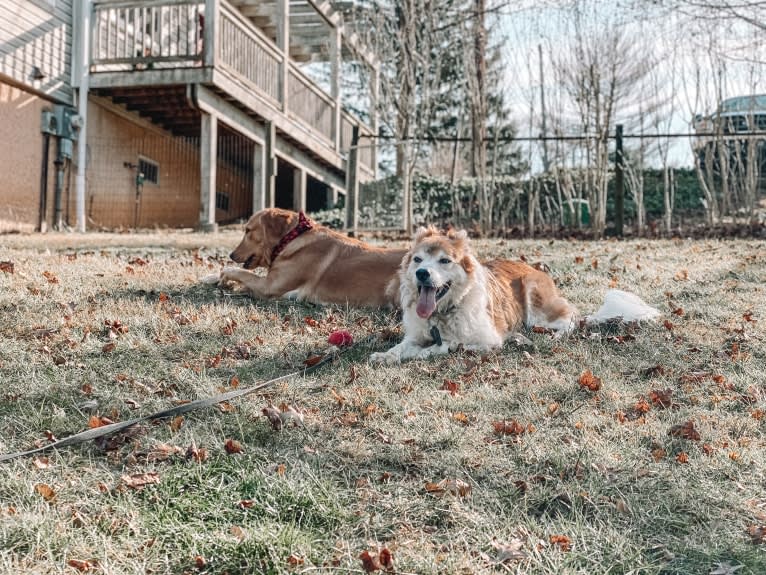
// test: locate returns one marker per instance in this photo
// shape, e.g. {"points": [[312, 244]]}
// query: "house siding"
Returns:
{"points": [[37, 33], [22, 144]]}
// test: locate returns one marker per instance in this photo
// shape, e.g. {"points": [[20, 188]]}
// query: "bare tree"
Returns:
{"points": [[599, 67]]}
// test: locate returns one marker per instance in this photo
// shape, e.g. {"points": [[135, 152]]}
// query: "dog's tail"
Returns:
{"points": [[624, 306]]}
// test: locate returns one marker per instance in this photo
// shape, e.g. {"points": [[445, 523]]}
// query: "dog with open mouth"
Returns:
{"points": [[307, 261], [450, 299]]}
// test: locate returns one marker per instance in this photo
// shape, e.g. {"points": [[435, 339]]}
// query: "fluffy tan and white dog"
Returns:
{"points": [[449, 299], [307, 261]]}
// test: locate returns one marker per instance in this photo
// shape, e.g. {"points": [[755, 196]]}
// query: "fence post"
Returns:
{"points": [[619, 183], [352, 182]]}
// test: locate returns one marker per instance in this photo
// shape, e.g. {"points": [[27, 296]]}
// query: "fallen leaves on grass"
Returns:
{"points": [[140, 480], [7, 267], [511, 427], [50, 277], [82, 565], [383, 560], [562, 541], [589, 381], [456, 487], [685, 431], [198, 454], [232, 446], [95, 421], [284, 415], [682, 457], [452, 387], [511, 551], [662, 398], [46, 492]]}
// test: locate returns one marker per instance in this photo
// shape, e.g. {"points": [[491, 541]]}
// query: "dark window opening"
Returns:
{"points": [[150, 170], [222, 201]]}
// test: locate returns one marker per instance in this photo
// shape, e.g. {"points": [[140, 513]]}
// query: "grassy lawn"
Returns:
{"points": [[466, 464]]}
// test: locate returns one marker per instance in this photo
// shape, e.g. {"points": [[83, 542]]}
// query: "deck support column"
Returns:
{"points": [[283, 43], [270, 165], [208, 166], [299, 189], [352, 183], [336, 55], [259, 177]]}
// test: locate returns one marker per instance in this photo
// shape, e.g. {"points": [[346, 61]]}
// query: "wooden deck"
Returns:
{"points": [[155, 57]]}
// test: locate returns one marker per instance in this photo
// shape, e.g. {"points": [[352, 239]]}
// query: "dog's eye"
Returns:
{"points": [[445, 261], [417, 259]]}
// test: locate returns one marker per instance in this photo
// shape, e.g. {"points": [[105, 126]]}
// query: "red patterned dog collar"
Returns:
{"points": [[304, 225]]}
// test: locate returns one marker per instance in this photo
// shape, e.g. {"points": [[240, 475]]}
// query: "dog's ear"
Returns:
{"points": [[467, 263], [454, 234], [275, 224], [423, 232]]}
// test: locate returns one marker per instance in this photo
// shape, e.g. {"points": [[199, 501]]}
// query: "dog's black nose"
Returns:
{"points": [[231, 256], [422, 275]]}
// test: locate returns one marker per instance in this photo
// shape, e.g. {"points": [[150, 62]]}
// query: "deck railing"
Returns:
{"points": [[146, 34], [247, 52], [135, 35]]}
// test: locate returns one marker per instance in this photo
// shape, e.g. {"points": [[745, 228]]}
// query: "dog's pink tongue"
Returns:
{"points": [[426, 302]]}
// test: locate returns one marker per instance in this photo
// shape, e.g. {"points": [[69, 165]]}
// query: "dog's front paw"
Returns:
{"points": [[385, 358], [229, 274], [211, 279]]}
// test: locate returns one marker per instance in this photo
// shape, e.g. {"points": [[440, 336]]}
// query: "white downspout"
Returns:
{"points": [[82, 110]]}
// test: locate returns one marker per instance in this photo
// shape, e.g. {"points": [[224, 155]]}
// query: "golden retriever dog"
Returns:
{"points": [[307, 261], [450, 299]]}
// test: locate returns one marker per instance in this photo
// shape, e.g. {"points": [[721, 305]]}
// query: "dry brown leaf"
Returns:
{"points": [[46, 491], [508, 427], [7, 267], [41, 462], [81, 565], [685, 430], [340, 400], [50, 277], [589, 381], [562, 541], [452, 387], [140, 480], [232, 446], [512, 551], [370, 561], [456, 487], [109, 347], [658, 454], [176, 423], [461, 418], [661, 397]]}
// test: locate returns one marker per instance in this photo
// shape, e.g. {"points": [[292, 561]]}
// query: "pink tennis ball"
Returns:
{"points": [[340, 338]]}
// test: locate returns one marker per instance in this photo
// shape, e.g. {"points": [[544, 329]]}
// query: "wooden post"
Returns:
{"points": [[352, 183], [374, 96], [208, 166], [210, 33], [619, 183], [270, 165], [299, 189], [283, 43], [259, 177], [336, 59]]}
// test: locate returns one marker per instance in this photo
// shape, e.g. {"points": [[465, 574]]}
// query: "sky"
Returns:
{"points": [[694, 62]]}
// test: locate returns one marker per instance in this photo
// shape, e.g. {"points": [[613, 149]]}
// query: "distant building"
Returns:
{"points": [[198, 111], [738, 127]]}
